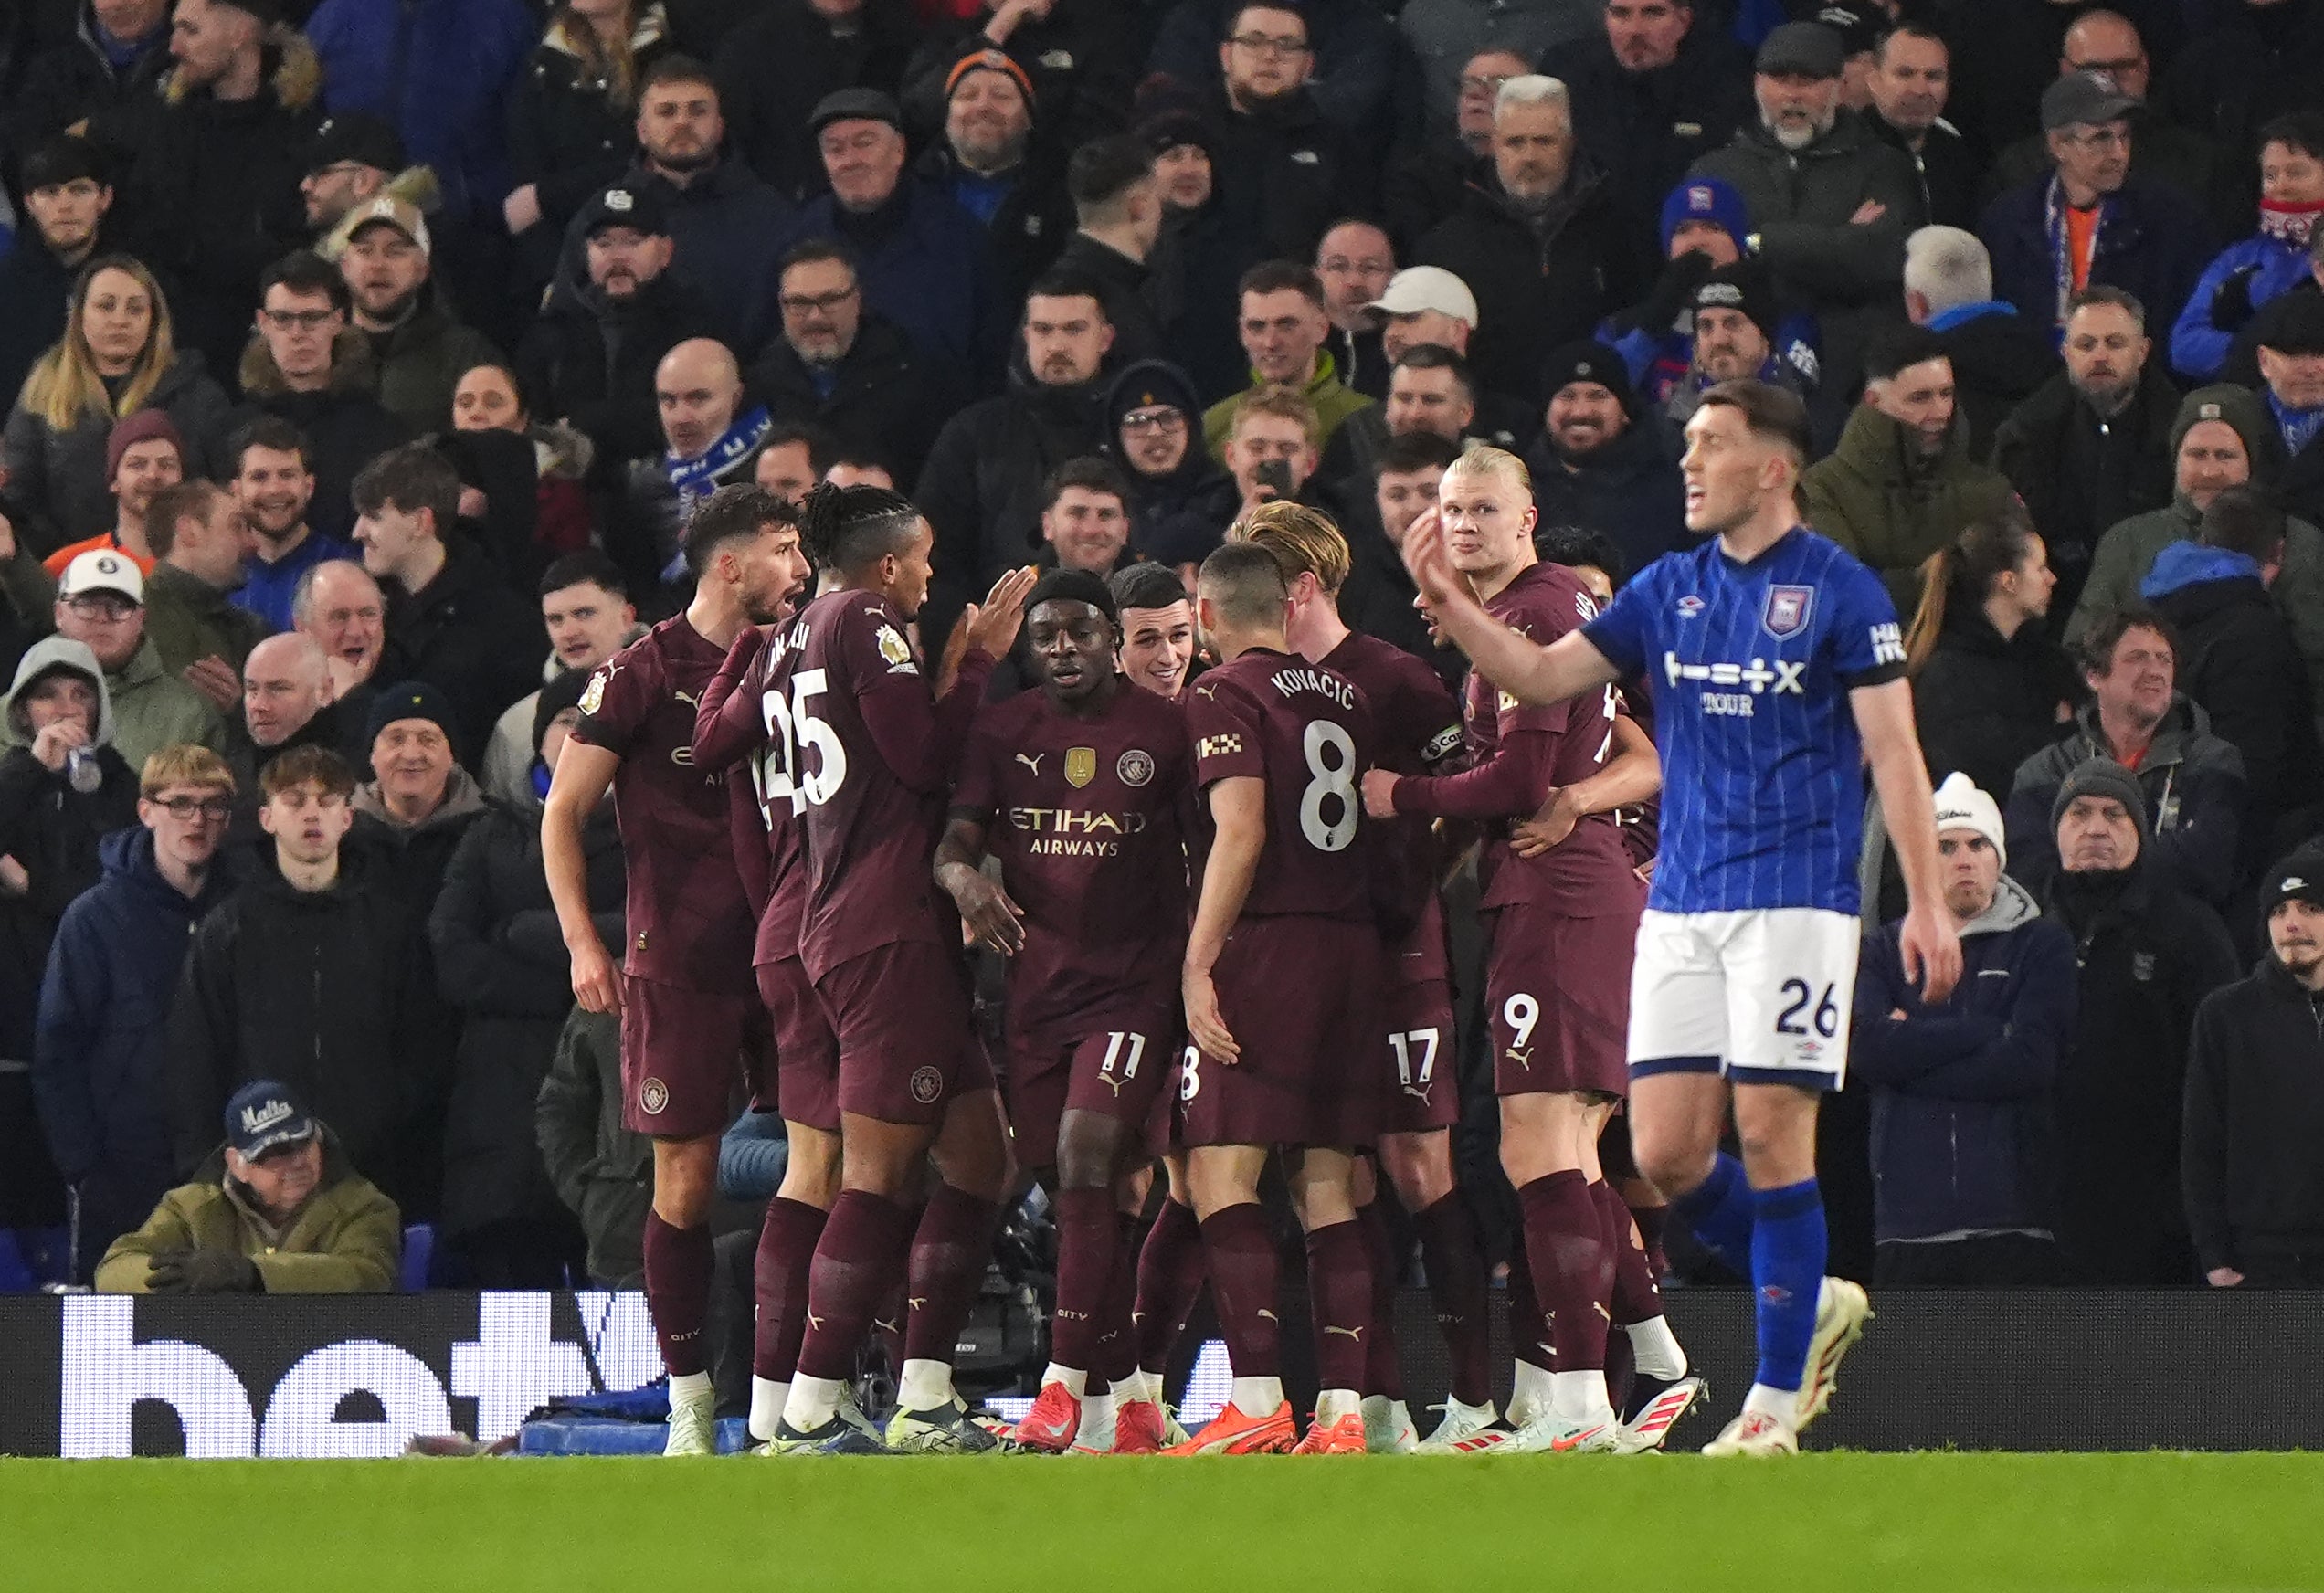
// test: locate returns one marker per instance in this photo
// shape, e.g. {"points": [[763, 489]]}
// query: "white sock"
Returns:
{"points": [[767, 1400], [1580, 1396], [925, 1386], [1656, 1350], [691, 1388], [1140, 1385], [1076, 1383], [1097, 1423], [1257, 1395], [1783, 1404], [1331, 1404], [1529, 1394], [813, 1402]]}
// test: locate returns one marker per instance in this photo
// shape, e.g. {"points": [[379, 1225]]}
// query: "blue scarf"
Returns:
{"points": [[696, 480], [2299, 426]]}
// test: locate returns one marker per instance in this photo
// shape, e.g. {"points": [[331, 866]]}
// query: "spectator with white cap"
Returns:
{"points": [[1961, 1143], [1425, 304], [384, 249], [101, 604]]}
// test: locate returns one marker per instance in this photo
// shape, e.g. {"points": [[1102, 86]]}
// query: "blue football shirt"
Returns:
{"points": [[1763, 783]]}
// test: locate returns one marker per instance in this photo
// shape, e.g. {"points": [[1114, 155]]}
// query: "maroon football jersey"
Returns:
{"points": [[738, 725], [1544, 603], [690, 919], [1418, 728], [870, 757], [1305, 730], [1089, 817]]}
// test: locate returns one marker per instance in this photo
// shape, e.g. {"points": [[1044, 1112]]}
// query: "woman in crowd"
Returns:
{"points": [[572, 117], [489, 400]]}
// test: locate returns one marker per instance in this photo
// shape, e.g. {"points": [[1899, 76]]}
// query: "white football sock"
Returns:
{"points": [[1331, 1404], [1783, 1404], [1581, 1396], [1656, 1350], [1257, 1395], [925, 1386], [1076, 1383], [1097, 1423], [691, 1388], [813, 1402], [1530, 1393], [1141, 1384], [767, 1400]]}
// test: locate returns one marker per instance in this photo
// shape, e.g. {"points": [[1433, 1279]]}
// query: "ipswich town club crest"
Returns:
{"points": [[1787, 610]]}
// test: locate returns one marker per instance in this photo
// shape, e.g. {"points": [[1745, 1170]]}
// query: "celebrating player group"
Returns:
{"points": [[1215, 895]]}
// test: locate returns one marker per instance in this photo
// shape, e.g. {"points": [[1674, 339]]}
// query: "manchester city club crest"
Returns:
{"points": [[1135, 768], [1081, 767], [1787, 610]]}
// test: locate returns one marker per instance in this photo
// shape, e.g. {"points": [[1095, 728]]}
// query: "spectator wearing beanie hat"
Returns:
{"points": [[2146, 955], [418, 799], [1961, 1141], [1728, 326], [2254, 1102], [1604, 462], [1070, 57], [501, 960], [144, 454], [1000, 162], [2224, 437], [1192, 269]]}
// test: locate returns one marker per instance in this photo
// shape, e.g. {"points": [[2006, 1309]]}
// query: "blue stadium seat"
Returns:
{"points": [[419, 1254]]}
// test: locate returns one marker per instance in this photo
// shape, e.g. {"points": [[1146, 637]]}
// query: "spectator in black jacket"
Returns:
{"points": [[1430, 388], [1658, 89], [2256, 62], [846, 369], [2092, 447], [67, 200], [308, 366], [1989, 688], [118, 53], [1377, 598], [1542, 246], [450, 620], [1426, 186], [572, 115], [991, 160], [2148, 955], [1152, 425], [1355, 261], [1909, 78], [353, 159], [313, 972], [793, 53], [2254, 1102], [2238, 660], [1997, 357], [590, 359], [1604, 463], [501, 960], [1117, 209], [1193, 267], [2289, 335], [981, 487], [1071, 55]]}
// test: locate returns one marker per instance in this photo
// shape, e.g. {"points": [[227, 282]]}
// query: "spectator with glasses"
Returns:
{"points": [[97, 1056], [1151, 418], [100, 603]]}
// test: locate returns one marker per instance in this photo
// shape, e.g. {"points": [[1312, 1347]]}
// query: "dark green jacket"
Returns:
{"points": [[1877, 497], [346, 1239], [187, 620]]}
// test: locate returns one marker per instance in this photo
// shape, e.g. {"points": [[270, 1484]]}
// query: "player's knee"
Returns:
{"points": [[685, 1180], [812, 1174], [1672, 1163], [1089, 1149], [1420, 1167]]}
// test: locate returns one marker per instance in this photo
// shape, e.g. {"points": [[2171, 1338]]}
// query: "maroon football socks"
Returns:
{"points": [[778, 1280], [1088, 1235], [1339, 1298], [1455, 1263], [1637, 1297], [1240, 1250], [856, 1263], [949, 1251], [1171, 1268], [1565, 1239], [678, 1264], [1383, 1372], [1528, 1330]]}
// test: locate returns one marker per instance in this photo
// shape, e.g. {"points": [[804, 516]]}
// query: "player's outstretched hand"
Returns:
{"points": [[1002, 613], [1379, 794], [596, 983], [1931, 947], [991, 917], [1203, 1021]]}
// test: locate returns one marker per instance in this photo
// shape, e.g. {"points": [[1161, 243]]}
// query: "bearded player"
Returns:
{"points": [[690, 1020], [1083, 789], [868, 759], [1778, 666], [1281, 992]]}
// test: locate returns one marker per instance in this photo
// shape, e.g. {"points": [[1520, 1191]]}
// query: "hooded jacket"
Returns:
{"points": [[421, 359], [1892, 506], [1961, 1108], [346, 1238], [2238, 663], [59, 475], [2195, 799], [1800, 203], [1536, 287], [318, 989], [2254, 1116], [2199, 350], [500, 959], [1984, 704], [2078, 474], [99, 1057], [885, 397], [2145, 957], [590, 360], [345, 426]]}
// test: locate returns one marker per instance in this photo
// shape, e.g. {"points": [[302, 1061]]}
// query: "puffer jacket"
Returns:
{"points": [[421, 359], [2195, 799], [345, 1239], [501, 960], [2198, 349], [1885, 502], [1961, 1133], [59, 475]]}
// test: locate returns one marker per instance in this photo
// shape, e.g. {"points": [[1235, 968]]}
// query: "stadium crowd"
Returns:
{"points": [[372, 362]]}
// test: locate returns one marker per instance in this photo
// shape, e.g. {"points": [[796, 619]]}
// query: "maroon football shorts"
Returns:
{"points": [[1302, 997], [1119, 1071], [684, 1054], [806, 1053], [907, 1045], [1556, 996], [1419, 1079]]}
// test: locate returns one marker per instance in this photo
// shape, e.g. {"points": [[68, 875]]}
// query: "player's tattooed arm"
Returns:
{"points": [[1238, 812], [985, 906], [1634, 775]]}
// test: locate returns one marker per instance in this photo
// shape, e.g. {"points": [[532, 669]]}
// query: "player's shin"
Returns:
{"points": [[1172, 1266], [1787, 1254], [678, 1262], [1383, 1371], [786, 1241], [1719, 1211], [1637, 1302], [856, 1264], [949, 1251], [1339, 1292], [1240, 1250], [1087, 1234], [1455, 1264], [1572, 1271]]}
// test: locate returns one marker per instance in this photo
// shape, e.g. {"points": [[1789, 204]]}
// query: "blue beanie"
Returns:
{"points": [[1706, 199]]}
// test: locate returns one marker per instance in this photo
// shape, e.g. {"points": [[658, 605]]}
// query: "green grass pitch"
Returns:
{"points": [[1962, 1523]]}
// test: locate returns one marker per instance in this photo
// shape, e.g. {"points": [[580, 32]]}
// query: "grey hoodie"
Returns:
{"points": [[43, 656]]}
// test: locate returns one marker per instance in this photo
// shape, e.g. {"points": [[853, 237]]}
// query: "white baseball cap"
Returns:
{"points": [[102, 570], [1961, 804], [1418, 288]]}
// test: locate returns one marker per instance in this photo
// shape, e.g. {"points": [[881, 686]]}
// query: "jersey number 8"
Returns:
{"points": [[791, 729], [1333, 781]]}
